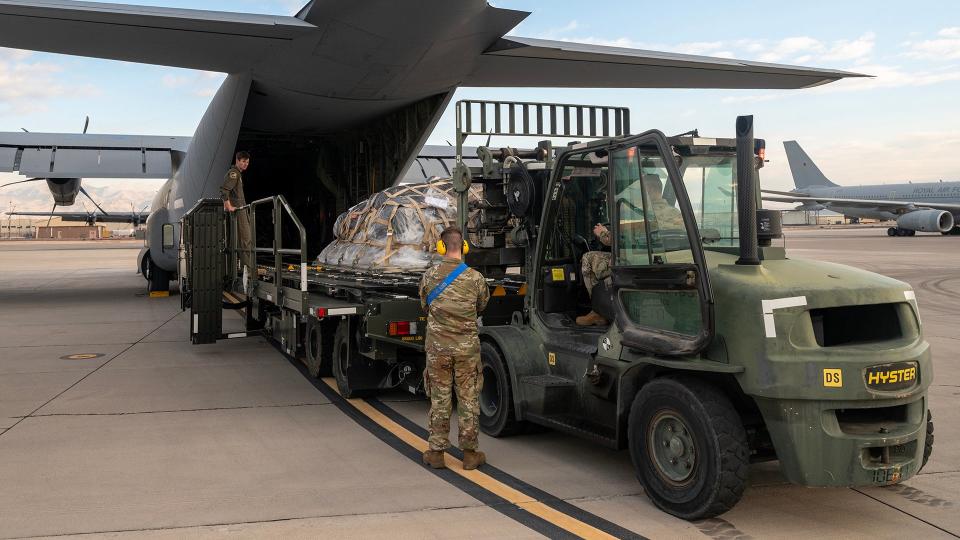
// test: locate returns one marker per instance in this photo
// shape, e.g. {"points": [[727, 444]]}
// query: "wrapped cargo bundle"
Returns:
{"points": [[395, 230]]}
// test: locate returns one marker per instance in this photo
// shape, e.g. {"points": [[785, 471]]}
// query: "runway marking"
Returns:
{"points": [[535, 509], [488, 483], [81, 356]]}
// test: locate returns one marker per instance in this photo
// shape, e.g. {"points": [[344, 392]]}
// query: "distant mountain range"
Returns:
{"points": [[113, 196]]}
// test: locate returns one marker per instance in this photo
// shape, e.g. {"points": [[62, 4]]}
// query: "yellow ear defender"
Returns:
{"points": [[442, 248]]}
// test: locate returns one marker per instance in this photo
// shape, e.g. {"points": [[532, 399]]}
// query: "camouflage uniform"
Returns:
{"points": [[453, 352], [232, 190], [668, 217], [595, 265]]}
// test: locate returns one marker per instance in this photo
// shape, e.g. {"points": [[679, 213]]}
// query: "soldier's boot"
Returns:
{"points": [[434, 458], [592, 319], [473, 459]]}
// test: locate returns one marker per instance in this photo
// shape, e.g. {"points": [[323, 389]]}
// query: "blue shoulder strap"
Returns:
{"points": [[446, 282]]}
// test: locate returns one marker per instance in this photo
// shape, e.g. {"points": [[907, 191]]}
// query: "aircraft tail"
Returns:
{"points": [[805, 172]]}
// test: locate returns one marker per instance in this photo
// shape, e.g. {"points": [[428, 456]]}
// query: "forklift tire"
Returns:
{"points": [[344, 353], [928, 441], [497, 417], [688, 447], [317, 349]]}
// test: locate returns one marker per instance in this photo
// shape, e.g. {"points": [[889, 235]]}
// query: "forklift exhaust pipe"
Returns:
{"points": [[747, 192]]}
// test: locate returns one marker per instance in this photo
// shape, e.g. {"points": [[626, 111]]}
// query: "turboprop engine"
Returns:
{"points": [[64, 190], [926, 221]]}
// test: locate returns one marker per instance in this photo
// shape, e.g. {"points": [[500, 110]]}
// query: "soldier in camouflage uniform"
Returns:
{"points": [[453, 353], [595, 265], [231, 191]]}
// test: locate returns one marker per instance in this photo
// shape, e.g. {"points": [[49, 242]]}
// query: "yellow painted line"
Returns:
{"points": [[159, 294], [479, 478]]}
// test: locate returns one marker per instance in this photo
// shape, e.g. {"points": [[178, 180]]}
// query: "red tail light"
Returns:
{"points": [[403, 328]]}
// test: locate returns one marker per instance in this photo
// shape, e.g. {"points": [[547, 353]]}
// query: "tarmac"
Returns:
{"points": [[144, 434]]}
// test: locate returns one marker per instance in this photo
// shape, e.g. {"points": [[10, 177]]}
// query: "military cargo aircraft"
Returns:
{"points": [[922, 206], [334, 103]]}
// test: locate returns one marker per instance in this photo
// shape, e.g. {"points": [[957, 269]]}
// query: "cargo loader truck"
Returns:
{"points": [[719, 349]]}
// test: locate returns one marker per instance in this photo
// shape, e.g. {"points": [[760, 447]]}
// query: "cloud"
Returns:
{"points": [[861, 161], [945, 47], [195, 83], [892, 77], [850, 50], [174, 81], [25, 86]]}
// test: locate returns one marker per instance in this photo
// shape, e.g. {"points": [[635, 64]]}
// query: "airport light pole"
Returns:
{"points": [[9, 218]]}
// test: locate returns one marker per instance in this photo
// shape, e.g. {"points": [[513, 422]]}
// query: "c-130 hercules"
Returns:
{"points": [[334, 103]]}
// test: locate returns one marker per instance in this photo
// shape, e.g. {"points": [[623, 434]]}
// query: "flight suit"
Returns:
{"points": [[232, 190], [453, 352]]}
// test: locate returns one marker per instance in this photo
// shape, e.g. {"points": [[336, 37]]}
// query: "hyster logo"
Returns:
{"points": [[892, 376]]}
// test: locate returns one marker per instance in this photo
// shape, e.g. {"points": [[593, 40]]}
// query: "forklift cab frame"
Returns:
{"points": [[658, 293]]}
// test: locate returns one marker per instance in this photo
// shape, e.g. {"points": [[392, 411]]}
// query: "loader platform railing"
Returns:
{"points": [[281, 215]]}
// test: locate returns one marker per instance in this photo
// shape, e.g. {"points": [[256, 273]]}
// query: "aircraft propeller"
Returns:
{"points": [[21, 182], [84, 191], [52, 210]]}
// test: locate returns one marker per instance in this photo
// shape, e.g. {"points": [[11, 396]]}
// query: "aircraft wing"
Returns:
{"points": [[210, 40], [527, 62], [881, 204], [112, 217], [74, 155], [232, 42]]}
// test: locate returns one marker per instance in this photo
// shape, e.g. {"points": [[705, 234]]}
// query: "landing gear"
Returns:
{"points": [[896, 231], [952, 232], [158, 278], [688, 447]]}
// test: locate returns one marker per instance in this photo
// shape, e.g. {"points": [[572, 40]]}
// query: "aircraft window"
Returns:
{"points": [[167, 236]]}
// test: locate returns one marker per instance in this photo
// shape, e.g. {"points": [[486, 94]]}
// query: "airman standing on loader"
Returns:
{"points": [[231, 191], [452, 295]]}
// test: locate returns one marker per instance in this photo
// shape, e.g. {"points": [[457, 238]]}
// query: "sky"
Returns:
{"points": [[901, 125]]}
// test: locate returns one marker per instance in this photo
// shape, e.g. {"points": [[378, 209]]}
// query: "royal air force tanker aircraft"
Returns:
{"points": [[921, 206], [334, 103]]}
